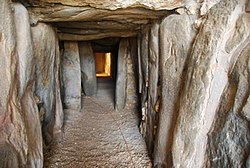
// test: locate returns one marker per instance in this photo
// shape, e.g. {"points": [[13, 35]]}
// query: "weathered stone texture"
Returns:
{"points": [[143, 76], [115, 4], [12, 140], [121, 78], [132, 91], [229, 138], [20, 130], [206, 79], [71, 74], [176, 37], [47, 56], [26, 72], [193, 84], [88, 71], [153, 76]]}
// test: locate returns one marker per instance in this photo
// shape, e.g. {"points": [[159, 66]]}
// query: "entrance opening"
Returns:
{"points": [[103, 64], [106, 53]]}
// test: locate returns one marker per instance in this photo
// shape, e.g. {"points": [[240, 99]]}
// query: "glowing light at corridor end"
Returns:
{"points": [[106, 72]]}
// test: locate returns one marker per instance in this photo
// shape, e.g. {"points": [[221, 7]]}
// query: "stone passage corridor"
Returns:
{"points": [[99, 136]]}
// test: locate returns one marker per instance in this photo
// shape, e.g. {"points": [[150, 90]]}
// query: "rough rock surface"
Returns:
{"points": [[132, 91], [143, 55], [88, 71], [229, 139], [46, 52], [108, 16], [71, 74], [114, 4], [203, 104], [153, 76], [204, 84], [121, 78], [26, 71], [176, 36], [20, 141]]}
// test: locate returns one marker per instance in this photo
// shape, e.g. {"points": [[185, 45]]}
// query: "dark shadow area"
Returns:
{"points": [[106, 88]]}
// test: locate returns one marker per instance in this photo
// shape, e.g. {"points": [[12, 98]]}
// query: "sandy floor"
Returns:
{"points": [[98, 136]]}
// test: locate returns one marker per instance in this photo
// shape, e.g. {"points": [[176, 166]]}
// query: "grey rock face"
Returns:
{"points": [[71, 73], [143, 76], [47, 57], [121, 78], [229, 139], [176, 36], [132, 91], [153, 76], [88, 72], [206, 78]]}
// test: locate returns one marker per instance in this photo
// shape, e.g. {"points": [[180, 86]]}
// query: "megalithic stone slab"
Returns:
{"points": [[71, 76], [121, 78], [176, 37], [153, 75], [26, 86], [46, 52], [13, 140], [88, 71], [206, 79]]}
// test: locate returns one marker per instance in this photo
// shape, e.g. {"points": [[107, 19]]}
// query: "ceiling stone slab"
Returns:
{"points": [[92, 31], [87, 37], [102, 25], [113, 4], [62, 13]]}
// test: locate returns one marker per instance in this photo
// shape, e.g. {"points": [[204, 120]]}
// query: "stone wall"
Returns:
{"points": [[47, 56], [30, 99], [20, 130], [191, 61], [202, 95]]}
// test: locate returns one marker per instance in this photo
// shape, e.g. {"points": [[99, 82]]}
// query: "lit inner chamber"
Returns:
{"points": [[103, 64]]}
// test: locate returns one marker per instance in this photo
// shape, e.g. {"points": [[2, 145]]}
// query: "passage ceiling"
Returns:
{"points": [[96, 19]]}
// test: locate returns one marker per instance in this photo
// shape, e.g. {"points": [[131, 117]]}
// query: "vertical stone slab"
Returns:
{"points": [[144, 55], [13, 145], [230, 133], [175, 42], [8, 55], [207, 76], [144, 52], [47, 57], [153, 75], [88, 71], [121, 78], [132, 91], [144, 68], [20, 130], [26, 69], [229, 136], [139, 62], [71, 72]]}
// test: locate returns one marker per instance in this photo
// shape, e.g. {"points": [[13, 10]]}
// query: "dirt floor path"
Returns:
{"points": [[98, 136]]}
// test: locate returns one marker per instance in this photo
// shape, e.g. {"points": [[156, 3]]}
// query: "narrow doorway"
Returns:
{"points": [[105, 67], [105, 53]]}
